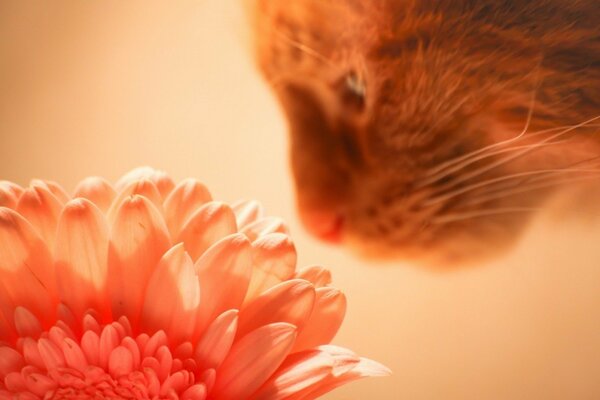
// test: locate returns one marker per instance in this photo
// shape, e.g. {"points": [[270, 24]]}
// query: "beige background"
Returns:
{"points": [[98, 87]]}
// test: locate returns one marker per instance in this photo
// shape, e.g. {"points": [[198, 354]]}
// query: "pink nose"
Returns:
{"points": [[327, 226]]}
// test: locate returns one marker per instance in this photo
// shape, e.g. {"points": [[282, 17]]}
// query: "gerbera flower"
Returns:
{"points": [[152, 290]]}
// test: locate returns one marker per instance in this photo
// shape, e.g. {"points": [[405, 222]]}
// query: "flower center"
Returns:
{"points": [[103, 362]]}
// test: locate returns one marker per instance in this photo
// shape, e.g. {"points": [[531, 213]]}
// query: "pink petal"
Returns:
{"points": [[274, 260], [364, 368], [74, 356], [216, 342], [163, 182], [263, 227], [54, 188], [120, 362], [26, 270], [160, 179], [174, 383], [9, 194], [41, 208], [290, 301], [209, 377], [65, 315], [90, 345], [319, 276], [40, 384], [247, 211], [134, 349], [135, 174], [109, 340], [158, 340], [172, 296], [51, 355], [196, 392], [210, 223], [345, 360], [91, 324], [15, 382], [31, 353], [81, 257], [252, 360], [139, 239], [143, 187], [325, 320], [183, 201], [27, 324], [224, 273], [165, 362], [97, 190], [57, 335], [10, 361], [298, 375]]}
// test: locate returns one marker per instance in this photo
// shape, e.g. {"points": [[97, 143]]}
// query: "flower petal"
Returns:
{"points": [[247, 211], [161, 179], [81, 257], [26, 270], [290, 301], [120, 362], [325, 320], [41, 208], [210, 223], [54, 188], [216, 341], [139, 239], [263, 227], [142, 187], [252, 360], [345, 359], [74, 356], [183, 201], [10, 361], [9, 194], [274, 261], [362, 369], [26, 323], [195, 392], [97, 190], [172, 296], [298, 375], [319, 276], [224, 273]]}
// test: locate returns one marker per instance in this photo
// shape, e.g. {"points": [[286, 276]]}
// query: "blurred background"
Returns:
{"points": [[100, 87]]}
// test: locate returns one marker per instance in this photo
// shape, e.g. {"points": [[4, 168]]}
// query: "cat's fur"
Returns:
{"points": [[382, 95]]}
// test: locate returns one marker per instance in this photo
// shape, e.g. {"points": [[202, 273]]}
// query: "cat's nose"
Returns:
{"points": [[326, 225]]}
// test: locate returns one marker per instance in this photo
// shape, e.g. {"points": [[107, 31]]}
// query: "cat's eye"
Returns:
{"points": [[356, 85], [353, 91]]}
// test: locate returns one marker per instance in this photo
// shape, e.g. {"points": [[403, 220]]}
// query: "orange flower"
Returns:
{"points": [[151, 290]]}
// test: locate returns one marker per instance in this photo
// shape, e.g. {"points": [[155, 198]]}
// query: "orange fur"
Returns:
{"points": [[380, 94]]}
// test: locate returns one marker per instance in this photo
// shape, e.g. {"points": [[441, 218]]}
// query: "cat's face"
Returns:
{"points": [[406, 118]]}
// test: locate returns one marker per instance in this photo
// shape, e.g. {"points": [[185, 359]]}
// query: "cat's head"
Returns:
{"points": [[429, 129]]}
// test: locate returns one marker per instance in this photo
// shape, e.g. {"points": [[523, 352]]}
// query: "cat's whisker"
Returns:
{"points": [[462, 216], [537, 184], [519, 154], [484, 156], [449, 163], [477, 155], [306, 49], [490, 182]]}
